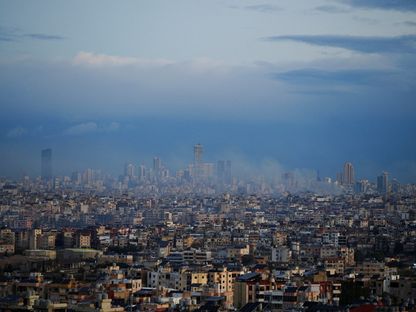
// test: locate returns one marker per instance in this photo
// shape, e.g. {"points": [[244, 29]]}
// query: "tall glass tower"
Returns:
{"points": [[46, 164], [198, 153], [348, 176], [383, 183]]}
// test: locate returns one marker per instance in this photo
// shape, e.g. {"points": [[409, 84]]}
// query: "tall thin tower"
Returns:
{"points": [[157, 164], [348, 177], [46, 164], [383, 183], [198, 153], [198, 165]]}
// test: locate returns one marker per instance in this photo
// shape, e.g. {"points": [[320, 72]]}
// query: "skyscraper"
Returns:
{"points": [[129, 170], [348, 176], [198, 153], [383, 183], [46, 164], [142, 172], [157, 165]]}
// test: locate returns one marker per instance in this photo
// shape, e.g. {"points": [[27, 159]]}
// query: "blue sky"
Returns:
{"points": [[308, 83]]}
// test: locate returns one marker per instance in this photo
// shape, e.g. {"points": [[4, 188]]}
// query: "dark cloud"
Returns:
{"points": [[7, 34], [43, 37], [5, 38], [409, 23], [312, 77], [263, 8], [399, 5], [10, 34], [365, 44], [331, 9]]}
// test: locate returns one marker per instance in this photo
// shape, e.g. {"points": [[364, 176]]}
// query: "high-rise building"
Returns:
{"points": [[198, 153], [361, 186], [348, 175], [129, 170], [142, 173], [157, 164], [383, 183], [46, 164], [88, 176], [76, 177], [197, 167]]}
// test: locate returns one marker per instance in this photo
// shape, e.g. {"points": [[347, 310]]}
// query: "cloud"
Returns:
{"points": [[263, 8], [313, 77], [196, 66], [10, 34], [44, 37], [90, 94], [409, 23], [16, 132], [331, 9], [83, 128], [364, 44], [92, 127], [94, 59], [367, 20], [5, 38], [398, 5]]}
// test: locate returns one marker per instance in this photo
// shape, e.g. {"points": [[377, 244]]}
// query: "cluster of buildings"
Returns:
{"points": [[203, 240], [197, 177], [83, 249], [208, 178]]}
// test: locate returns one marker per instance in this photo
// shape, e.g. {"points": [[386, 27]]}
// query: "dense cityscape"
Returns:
{"points": [[203, 240], [208, 156]]}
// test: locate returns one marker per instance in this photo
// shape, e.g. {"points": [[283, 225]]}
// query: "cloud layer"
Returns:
{"points": [[399, 5], [264, 8], [364, 44], [94, 59], [91, 127], [10, 34]]}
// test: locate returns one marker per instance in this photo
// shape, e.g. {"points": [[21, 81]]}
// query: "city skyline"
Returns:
{"points": [[243, 162], [221, 173], [337, 84]]}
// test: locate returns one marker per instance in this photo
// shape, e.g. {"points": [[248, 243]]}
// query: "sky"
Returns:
{"points": [[303, 84]]}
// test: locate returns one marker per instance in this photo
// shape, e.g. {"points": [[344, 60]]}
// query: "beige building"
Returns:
{"points": [[237, 252], [224, 281], [84, 240], [335, 265], [371, 268]]}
